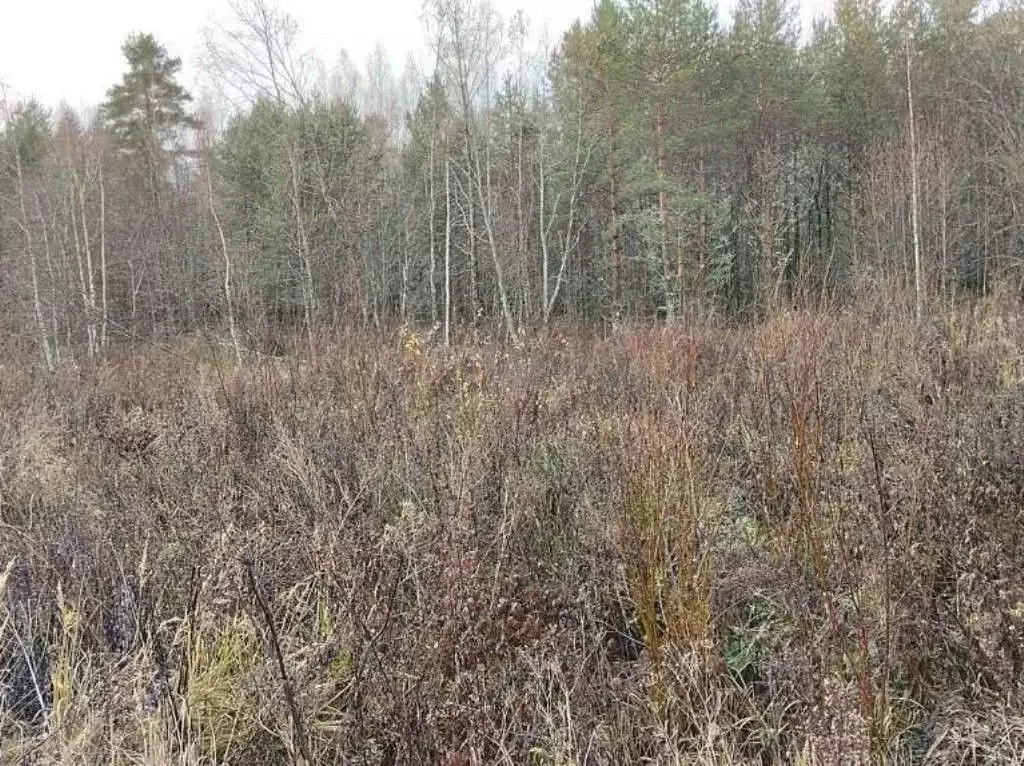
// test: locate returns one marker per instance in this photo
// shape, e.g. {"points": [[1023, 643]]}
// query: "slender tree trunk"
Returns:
{"points": [[570, 239], [37, 305], [103, 259], [474, 289], [485, 190], [432, 275], [944, 225], [918, 287], [613, 195], [545, 229], [226, 255], [308, 306], [486, 212], [406, 258], [47, 252], [90, 269], [704, 256], [447, 252], [674, 285], [85, 277], [521, 224]]}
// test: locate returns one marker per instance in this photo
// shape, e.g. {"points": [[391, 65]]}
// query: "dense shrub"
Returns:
{"points": [[790, 543]]}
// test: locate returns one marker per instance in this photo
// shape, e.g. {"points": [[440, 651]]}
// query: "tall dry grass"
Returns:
{"points": [[791, 543]]}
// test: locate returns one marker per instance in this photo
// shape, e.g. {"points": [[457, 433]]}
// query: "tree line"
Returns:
{"points": [[654, 162]]}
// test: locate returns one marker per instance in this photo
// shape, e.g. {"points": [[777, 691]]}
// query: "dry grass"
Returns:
{"points": [[792, 543]]}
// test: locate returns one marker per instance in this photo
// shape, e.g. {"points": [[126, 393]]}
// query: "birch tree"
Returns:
{"points": [[468, 47], [26, 138]]}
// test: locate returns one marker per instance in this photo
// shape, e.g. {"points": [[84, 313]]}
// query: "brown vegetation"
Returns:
{"points": [[791, 543]]}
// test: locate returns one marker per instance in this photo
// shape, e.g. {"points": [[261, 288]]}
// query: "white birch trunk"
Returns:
{"points": [[37, 305], [918, 286], [447, 251]]}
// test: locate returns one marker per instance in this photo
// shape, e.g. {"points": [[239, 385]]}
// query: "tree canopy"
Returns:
{"points": [[655, 162]]}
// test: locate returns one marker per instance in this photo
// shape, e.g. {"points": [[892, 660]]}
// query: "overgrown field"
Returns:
{"points": [[796, 542]]}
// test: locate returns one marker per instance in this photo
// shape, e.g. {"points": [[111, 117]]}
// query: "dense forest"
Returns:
{"points": [[653, 163]]}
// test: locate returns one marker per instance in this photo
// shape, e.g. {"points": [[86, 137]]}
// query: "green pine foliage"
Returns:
{"points": [[148, 108]]}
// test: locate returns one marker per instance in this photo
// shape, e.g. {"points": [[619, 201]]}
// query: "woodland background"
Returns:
{"points": [[652, 163]]}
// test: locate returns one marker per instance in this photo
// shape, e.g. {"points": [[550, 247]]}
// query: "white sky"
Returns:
{"points": [[71, 50]]}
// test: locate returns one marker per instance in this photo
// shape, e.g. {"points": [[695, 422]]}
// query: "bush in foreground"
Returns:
{"points": [[791, 543]]}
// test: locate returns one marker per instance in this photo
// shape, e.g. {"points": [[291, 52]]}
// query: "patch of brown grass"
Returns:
{"points": [[789, 543]]}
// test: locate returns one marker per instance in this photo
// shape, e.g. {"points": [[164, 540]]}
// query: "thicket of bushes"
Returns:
{"points": [[791, 543]]}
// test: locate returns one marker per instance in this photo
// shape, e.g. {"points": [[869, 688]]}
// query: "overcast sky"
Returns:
{"points": [[70, 50]]}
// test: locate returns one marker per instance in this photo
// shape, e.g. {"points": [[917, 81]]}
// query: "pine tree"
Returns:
{"points": [[148, 111]]}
